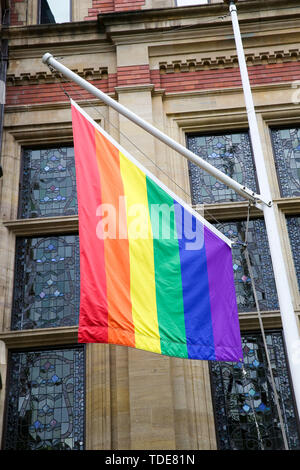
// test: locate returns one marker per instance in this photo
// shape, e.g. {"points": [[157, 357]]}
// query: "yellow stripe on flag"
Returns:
{"points": [[142, 273]]}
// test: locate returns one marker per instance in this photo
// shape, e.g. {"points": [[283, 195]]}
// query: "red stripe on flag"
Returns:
{"points": [[93, 319]]}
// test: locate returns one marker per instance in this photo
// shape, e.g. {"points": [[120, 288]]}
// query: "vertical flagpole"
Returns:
{"points": [[289, 321]]}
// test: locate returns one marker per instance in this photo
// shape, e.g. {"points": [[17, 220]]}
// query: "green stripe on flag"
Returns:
{"points": [[168, 284]]}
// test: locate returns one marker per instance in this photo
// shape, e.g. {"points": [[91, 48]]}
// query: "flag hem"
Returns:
{"points": [[232, 354]]}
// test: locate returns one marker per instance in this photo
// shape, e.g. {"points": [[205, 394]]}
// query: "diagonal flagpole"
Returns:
{"points": [[247, 193], [288, 317]]}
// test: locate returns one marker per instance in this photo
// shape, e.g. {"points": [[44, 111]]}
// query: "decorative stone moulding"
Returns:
{"points": [[46, 77], [260, 58]]}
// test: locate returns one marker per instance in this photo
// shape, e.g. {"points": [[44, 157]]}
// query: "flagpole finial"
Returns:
{"points": [[46, 57]]}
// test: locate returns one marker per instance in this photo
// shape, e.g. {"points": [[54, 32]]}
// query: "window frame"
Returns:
{"points": [[40, 328], [220, 132], [50, 347], [271, 129], [54, 145]]}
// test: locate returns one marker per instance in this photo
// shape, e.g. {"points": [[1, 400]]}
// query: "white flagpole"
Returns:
{"points": [[289, 321]]}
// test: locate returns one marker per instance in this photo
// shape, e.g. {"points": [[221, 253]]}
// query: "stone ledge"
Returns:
{"points": [[290, 206], [228, 211], [40, 337], [134, 88], [239, 210], [42, 225], [249, 320]]}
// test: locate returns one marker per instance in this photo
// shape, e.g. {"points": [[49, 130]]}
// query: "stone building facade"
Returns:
{"points": [[175, 66]]}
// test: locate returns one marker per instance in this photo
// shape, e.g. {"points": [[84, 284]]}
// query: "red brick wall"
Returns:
{"points": [[14, 17], [170, 82], [132, 75], [53, 92], [126, 5], [106, 6], [225, 78]]}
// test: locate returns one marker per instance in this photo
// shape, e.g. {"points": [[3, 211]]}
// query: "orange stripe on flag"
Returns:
{"points": [[116, 248]]}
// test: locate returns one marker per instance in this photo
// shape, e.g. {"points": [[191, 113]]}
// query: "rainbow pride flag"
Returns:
{"points": [[154, 274]]}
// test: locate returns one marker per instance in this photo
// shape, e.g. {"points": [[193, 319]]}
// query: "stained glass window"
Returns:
{"points": [[232, 154], [245, 413], [48, 183], [47, 279], [286, 145], [46, 400], [293, 224], [261, 264]]}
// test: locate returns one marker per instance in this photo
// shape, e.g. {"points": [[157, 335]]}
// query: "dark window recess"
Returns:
{"points": [[48, 183], [231, 153], [286, 147], [47, 281], [45, 401]]}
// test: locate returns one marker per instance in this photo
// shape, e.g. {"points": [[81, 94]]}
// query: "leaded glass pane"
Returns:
{"points": [[286, 145], [245, 413], [47, 279], [261, 264], [48, 183], [232, 154], [293, 224], [46, 400]]}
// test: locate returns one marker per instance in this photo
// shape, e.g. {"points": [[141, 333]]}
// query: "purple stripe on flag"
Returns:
{"points": [[225, 323]]}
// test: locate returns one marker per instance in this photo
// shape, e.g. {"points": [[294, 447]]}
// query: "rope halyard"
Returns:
{"points": [[244, 372]]}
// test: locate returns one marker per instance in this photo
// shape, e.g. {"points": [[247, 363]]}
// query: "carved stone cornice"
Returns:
{"points": [[120, 26], [275, 56], [40, 77], [189, 64]]}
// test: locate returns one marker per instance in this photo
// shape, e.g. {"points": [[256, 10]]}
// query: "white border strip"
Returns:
{"points": [[150, 175]]}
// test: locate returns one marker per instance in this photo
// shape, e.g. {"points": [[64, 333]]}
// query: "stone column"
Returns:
{"points": [[3, 371], [9, 185], [98, 403], [194, 420], [151, 401]]}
